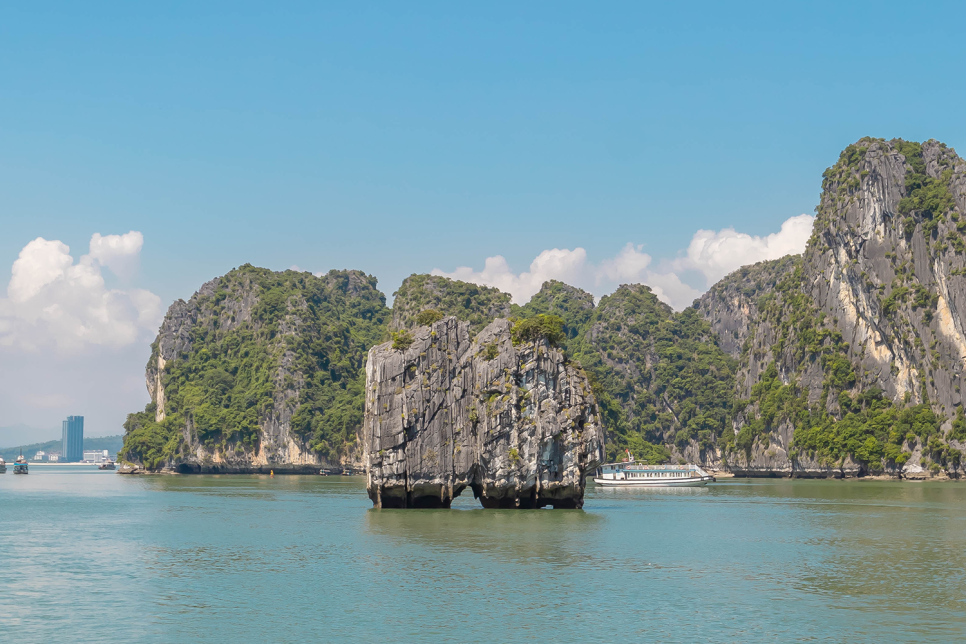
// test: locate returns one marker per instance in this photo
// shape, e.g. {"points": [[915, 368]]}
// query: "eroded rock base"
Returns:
{"points": [[441, 497]]}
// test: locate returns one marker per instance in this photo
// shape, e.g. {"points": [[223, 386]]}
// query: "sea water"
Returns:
{"points": [[88, 556]]}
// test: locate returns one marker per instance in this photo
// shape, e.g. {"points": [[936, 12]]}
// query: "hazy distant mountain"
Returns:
{"points": [[21, 434], [110, 443]]}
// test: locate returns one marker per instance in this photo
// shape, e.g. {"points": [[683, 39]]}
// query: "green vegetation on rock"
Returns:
{"points": [[539, 327], [659, 377], [478, 305], [259, 345]]}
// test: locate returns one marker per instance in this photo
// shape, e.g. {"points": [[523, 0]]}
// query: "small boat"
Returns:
{"points": [[106, 465], [3, 466], [20, 465], [630, 474]]}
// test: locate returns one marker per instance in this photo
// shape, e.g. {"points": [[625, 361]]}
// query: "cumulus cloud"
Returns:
{"points": [[53, 301], [629, 265], [119, 253], [718, 253], [558, 263], [712, 254]]}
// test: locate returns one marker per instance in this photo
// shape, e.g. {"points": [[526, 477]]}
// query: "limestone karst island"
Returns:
{"points": [[845, 361]]}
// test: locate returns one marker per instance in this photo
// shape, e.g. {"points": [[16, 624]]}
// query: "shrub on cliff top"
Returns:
{"points": [[402, 340], [539, 327], [429, 316]]}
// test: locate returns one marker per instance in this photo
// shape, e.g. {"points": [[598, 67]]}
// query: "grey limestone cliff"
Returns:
{"points": [[874, 305], [517, 424]]}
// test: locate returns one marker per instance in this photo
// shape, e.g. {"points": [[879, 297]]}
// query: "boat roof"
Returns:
{"points": [[644, 466]]}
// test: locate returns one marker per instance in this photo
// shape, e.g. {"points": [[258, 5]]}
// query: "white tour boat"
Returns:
{"points": [[631, 474]]}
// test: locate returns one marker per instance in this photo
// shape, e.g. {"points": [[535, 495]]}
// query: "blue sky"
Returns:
{"points": [[399, 138]]}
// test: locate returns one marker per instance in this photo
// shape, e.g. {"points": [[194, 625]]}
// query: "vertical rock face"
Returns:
{"points": [[888, 265], [516, 424], [869, 316]]}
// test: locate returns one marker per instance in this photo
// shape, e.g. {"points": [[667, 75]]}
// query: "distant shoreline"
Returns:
{"points": [[42, 464]]}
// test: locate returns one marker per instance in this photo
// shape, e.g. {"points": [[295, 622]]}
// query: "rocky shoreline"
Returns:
{"points": [[915, 477], [278, 468]]}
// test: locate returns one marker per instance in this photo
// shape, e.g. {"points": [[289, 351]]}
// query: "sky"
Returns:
{"points": [[148, 147]]}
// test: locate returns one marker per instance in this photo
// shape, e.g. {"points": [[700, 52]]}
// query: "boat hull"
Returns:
{"points": [[688, 482]]}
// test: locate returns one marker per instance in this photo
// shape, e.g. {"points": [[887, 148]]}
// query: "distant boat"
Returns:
{"points": [[20, 465], [106, 465], [631, 474], [3, 466]]}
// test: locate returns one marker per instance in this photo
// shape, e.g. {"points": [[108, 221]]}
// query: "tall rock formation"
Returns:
{"points": [[517, 423], [851, 356], [259, 371]]}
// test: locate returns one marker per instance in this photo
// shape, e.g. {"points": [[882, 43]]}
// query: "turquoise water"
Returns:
{"points": [[88, 555]]}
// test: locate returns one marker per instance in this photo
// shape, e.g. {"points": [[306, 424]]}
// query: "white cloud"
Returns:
{"points": [[40, 263], [561, 264], [629, 266], [52, 301], [119, 253], [718, 253], [713, 254], [669, 288]]}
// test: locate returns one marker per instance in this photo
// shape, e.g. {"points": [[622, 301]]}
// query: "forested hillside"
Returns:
{"points": [[660, 380], [259, 368]]}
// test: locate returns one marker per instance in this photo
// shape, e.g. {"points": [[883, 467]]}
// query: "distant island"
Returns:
{"points": [[846, 360]]}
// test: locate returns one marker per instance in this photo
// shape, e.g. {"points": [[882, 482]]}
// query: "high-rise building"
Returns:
{"points": [[73, 439]]}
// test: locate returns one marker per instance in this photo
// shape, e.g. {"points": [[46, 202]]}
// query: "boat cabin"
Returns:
{"points": [[630, 471]]}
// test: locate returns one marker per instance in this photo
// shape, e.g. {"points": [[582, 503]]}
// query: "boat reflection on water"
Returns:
{"points": [[631, 492]]}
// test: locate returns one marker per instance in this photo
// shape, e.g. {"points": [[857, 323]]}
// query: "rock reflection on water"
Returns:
{"points": [[559, 537]]}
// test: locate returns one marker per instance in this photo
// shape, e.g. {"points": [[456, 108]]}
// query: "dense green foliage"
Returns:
{"points": [[149, 442], [428, 317], [926, 197], [478, 305], [573, 306], [658, 376], [304, 343], [871, 429], [538, 328], [402, 340]]}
